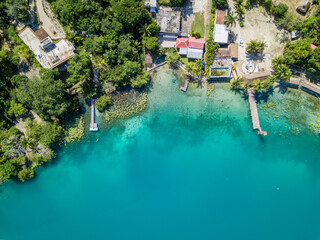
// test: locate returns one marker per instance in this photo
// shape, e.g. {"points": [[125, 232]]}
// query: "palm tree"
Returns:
{"points": [[255, 46], [231, 20], [246, 86], [240, 12], [145, 31], [272, 79], [257, 85], [283, 72], [277, 61], [236, 83]]}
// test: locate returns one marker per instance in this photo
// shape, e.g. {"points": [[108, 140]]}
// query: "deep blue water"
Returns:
{"points": [[189, 167]]}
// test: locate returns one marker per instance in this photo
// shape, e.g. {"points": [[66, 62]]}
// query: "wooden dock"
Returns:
{"points": [[254, 112], [185, 87]]}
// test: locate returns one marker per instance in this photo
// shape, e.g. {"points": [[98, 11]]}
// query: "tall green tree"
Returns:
{"points": [[45, 95], [79, 68], [172, 56], [283, 72], [18, 9], [257, 85]]}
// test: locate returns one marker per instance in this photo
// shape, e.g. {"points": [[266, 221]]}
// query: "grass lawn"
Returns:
{"points": [[164, 2], [198, 23], [184, 60]]}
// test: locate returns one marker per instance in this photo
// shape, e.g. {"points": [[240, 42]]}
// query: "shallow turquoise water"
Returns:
{"points": [[190, 167]]}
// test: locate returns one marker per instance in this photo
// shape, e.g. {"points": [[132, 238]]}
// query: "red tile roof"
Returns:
{"points": [[182, 43], [220, 16], [313, 47], [196, 43]]}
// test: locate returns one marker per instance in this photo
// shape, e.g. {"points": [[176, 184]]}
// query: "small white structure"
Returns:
{"points": [[48, 53], [221, 34], [221, 30], [195, 53], [294, 35]]}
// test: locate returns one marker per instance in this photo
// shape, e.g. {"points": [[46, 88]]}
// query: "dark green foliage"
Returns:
{"points": [[172, 56], [103, 102], [152, 44], [173, 3], [79, 69], [118, 31], [26, 174], [220, 3], [46, 96], [280, 10], [46, 134], [88, 89], [18, 9], [195, 34]]}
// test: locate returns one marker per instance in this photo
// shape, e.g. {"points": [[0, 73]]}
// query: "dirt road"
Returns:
{"points": [[49, 22]]}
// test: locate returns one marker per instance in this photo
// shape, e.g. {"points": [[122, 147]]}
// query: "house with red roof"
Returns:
{"points": [[192, 47]]}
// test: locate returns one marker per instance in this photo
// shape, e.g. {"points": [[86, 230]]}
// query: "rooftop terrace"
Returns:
{"points": [[48, 53], [169, 21]]}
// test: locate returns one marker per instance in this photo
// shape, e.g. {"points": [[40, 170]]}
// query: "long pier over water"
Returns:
{"points": [[254, 112]]}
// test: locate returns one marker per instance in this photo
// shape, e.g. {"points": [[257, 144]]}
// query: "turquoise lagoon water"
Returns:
{"points": [[189, 167]]}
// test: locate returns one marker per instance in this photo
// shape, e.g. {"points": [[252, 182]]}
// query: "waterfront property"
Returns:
{"points": [[191, 47], [221, 30], [49, 54], [169, 22]]}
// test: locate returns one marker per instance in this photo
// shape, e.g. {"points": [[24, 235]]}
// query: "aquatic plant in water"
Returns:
{"points": [[126, 105], [75, 133]]}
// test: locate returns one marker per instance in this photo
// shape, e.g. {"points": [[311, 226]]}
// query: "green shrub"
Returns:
{"points": [[280, 10], [26, 174], [241, 24], [103, 102], [195, 34]]}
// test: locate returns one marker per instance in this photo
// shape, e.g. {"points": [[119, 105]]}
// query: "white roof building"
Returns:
{"points": [[195, 53], [48, 53], [221, 34]]}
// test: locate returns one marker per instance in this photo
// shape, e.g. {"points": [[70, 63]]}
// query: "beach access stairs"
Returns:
{"points": [[93, 125], [254, 112]]}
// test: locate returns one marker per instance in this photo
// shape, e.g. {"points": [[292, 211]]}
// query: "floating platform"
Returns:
{"points": [[93, 125]]}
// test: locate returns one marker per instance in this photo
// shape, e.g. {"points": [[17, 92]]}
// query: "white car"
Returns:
{"points": [[241, 43]]}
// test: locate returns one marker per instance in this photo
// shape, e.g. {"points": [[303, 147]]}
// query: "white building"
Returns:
{"points": [[221, 30], [48, 53]]}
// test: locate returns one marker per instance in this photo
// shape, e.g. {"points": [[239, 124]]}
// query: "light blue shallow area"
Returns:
{"points": [[190, 167]]}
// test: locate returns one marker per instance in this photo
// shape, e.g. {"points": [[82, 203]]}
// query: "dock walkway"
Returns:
{"points": [[254, 112], [185, 87], [156, 67], [93, 125]]}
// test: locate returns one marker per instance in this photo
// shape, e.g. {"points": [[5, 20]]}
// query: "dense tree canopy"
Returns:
{"points": [[117, 30]]}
